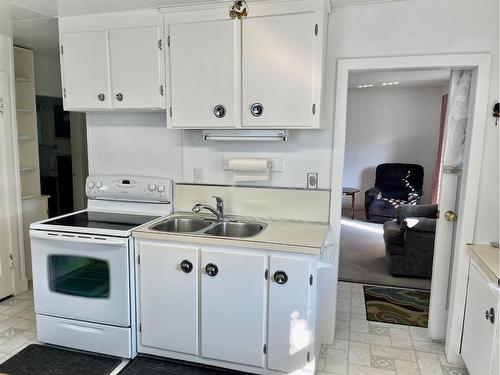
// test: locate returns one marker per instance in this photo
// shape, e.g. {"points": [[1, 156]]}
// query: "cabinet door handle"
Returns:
{"points": [[280, 277], [119, 96], [186, 266], [490, 315], [101, 97], [219, 111], [256, 109], [212, 270]]}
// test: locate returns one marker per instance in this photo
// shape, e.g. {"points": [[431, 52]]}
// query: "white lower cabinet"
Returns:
{"points": [[246, 309], [233, 301], [480, 332], [168, 296]]}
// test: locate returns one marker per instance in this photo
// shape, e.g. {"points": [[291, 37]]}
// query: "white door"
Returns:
{"points": [[203, 74], [290, 307], [233, 303], [168, 296], [84, 64], [81, 278], [444, 245], [136, 67], [277, 70], [6, 282], [479, 331]]}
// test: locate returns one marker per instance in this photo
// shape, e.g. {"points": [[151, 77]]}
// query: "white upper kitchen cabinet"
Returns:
{"points": [[203, 75], [113, 61], [233, 300], [263, 71]]}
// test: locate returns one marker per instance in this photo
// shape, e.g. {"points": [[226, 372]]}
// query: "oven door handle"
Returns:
{"points": [[105, 241]]}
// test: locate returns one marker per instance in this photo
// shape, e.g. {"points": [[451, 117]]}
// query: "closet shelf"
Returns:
{"points": [[23, 79], [23, 138], [28, 169], [26, 110]]}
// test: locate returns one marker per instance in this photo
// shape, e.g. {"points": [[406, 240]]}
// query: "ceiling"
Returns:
{"points": [[399, 78]]}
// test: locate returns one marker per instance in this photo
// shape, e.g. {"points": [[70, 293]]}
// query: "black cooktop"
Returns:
{"points": [[102, 220]]}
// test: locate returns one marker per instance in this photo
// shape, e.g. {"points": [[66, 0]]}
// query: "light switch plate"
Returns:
{"points": [[312, 180]]}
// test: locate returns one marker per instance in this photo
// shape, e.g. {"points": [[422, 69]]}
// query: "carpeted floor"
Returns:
{"points": [[362, 255], [408, 307]]}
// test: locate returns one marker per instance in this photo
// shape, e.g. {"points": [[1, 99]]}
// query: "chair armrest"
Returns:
{"points": [[373, 193], [422, 211], [415, 196], [419, 224]]}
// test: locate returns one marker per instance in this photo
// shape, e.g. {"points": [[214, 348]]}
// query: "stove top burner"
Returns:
{"points": [[102, 220]]}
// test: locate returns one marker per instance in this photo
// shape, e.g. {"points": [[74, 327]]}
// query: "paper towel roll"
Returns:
{"points": [[248, 165], [249, 169]]}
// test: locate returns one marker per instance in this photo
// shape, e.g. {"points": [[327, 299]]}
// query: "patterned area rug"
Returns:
{"points": [[398, 306]]}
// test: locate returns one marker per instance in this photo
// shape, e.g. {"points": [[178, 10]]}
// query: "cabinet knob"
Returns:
{"points": [[186, 266], [101, 97], [211, 269], [219, 111], [256, 109], [280, 277], [490, 315], [119, 96]]}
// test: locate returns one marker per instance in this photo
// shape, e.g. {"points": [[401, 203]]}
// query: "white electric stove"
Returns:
{"points": [[83, 265]]}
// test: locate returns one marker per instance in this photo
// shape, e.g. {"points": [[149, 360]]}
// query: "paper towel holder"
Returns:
{"points": [[273, 164], [245, 135]]}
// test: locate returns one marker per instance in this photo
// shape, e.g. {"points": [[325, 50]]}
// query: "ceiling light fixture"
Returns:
{"points": [[364, 86], [390, 83]]}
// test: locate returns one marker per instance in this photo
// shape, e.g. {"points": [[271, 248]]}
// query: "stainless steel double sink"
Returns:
{"points": [[195, 225]]}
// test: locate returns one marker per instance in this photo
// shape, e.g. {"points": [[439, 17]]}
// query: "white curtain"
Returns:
{"points": [[458, 108]]}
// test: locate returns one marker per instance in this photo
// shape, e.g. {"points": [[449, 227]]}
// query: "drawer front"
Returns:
{"points": [[91, 337]]}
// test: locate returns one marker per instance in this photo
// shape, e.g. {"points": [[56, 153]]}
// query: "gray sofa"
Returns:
{"points": [[409, 241]]}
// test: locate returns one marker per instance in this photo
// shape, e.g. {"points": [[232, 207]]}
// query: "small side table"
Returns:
{"points": [[352, 192]]}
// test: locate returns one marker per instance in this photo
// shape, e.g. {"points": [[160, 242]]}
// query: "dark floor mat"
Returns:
{"points": [[145, 365], [46, 360]]}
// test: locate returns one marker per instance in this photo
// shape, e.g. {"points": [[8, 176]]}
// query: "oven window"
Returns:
{"points": [[79, 276]]}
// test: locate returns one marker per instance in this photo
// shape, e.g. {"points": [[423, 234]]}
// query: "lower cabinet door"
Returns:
{"points": [[290, 337], [233, 302], [168, 296], [479, 327]]}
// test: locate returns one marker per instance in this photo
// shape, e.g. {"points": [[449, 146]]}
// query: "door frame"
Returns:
{"points": [[480, 64]]}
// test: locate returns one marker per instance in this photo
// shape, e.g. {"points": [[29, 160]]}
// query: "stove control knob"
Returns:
{"points": [[152, 187], [98, 184], [161, 189], [91, 184]]}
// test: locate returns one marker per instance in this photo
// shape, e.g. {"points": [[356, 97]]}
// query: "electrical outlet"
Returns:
{"points": [[198, 175], [312, 180]]}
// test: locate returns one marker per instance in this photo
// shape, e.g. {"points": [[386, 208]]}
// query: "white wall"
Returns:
{"points": [[390, 125], [47, 73], [390, 28]]}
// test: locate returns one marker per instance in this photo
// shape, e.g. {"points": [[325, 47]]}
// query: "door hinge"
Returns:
{"points": [[308, 357], [62, 50], [11, 261], [310, 279], [264, 349], [314, 109], [316, 30], [160, 44], [266, 274], [138, 258], [140, 327], [168, 40], [170, 111], [64, 92], [161, 90]]}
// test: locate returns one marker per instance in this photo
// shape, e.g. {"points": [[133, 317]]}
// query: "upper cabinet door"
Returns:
{"points": [[137, 73], [204, 89], [278, 65], [84, 63]]}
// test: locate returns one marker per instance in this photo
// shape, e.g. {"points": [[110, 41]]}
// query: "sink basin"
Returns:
{"points": [[235, 229], [182, 225]]}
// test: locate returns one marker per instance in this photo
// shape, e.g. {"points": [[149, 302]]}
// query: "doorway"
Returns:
{"points": [[479, 64]]}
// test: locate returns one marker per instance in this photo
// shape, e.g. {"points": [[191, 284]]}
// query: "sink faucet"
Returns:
{"points": [[218, 212]]}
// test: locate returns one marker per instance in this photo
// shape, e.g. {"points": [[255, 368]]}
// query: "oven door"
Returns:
{"points": [[81, 277]]}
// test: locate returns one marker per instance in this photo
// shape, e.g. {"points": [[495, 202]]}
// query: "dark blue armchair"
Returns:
{"points": [[395, 184]]}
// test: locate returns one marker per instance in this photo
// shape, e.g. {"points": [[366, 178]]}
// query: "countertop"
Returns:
{"points": [[488, 258], [287, 236]]}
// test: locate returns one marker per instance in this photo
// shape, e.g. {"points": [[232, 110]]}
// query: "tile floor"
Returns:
{"points": [[360, 347], [370, 348]]}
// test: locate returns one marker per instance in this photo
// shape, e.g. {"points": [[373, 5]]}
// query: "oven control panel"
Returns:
{"points": [[129, 188]]}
